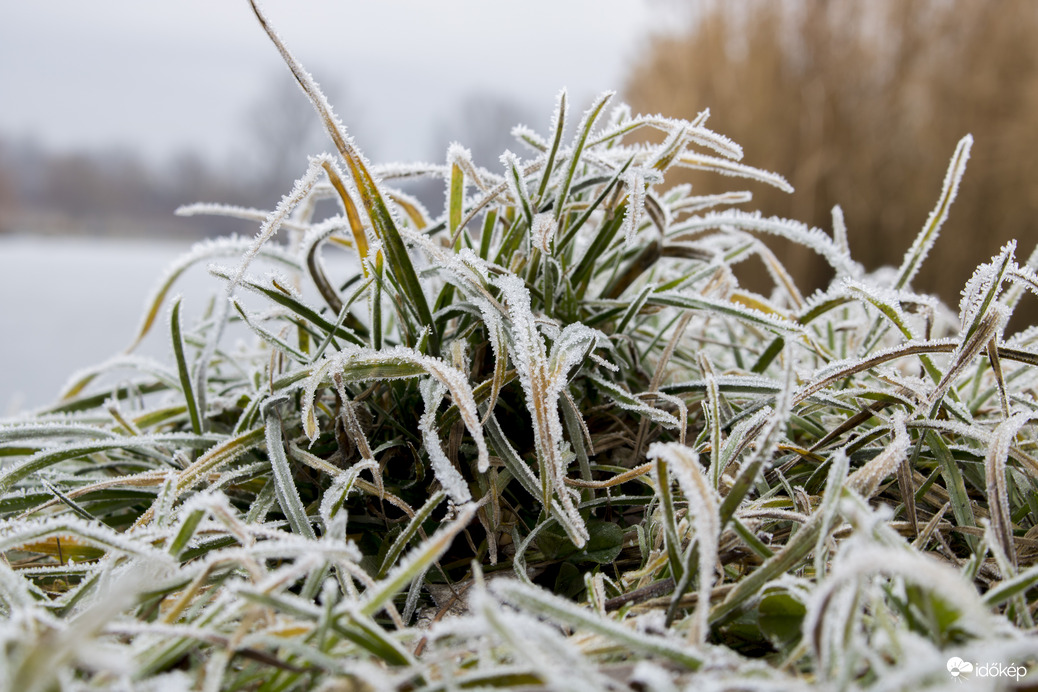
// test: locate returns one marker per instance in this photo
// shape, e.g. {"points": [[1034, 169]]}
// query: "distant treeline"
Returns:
{"points": [[117, 192], [860, 104], [108, 193]]}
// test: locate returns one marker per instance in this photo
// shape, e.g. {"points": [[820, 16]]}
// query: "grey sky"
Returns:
{"points": [[157, 77]]}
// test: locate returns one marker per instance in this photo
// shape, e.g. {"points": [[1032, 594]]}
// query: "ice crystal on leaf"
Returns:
{"points": [[865, 481], [542, 384], [928, 235], [453, 483], [983, 286], [357, 364], [543, 231], [703, 506]]}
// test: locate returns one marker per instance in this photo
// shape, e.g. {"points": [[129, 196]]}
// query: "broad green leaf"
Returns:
{"points": [[780, 617], [604, 543]]}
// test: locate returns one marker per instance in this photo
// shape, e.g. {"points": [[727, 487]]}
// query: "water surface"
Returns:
{"points": [[70, 303]]}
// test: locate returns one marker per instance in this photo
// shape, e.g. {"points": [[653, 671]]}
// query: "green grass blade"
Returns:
{"points": [[182, 366], [798, 547], [556, 139], [575, 159], [561, 610], [750, 316], [49, 457], [928, 235], [285, 486], [371, 197], [670, 527], [415, 563], [412, 528]]}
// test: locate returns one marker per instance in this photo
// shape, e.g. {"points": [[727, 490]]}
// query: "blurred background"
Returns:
{"points": [[860, 103], [114, 113]]}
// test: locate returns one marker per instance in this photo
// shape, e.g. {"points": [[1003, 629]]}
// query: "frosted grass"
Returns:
{"points": [[451, 462]]}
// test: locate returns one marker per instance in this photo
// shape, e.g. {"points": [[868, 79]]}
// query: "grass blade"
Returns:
{"points": [[381, 219], [928, 235], [285, 486]]}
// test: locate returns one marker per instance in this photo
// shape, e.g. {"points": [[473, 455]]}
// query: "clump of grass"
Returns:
{"points": [[543, 439]]}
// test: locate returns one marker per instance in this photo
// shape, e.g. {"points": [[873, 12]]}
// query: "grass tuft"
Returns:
{"points": [[542, 439]]}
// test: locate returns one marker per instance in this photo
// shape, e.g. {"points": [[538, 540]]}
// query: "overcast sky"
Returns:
{"points": [[159, 77]]}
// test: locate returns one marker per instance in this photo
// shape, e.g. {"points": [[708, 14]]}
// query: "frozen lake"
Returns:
{"points": [[71, 303], [68, 303]]}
